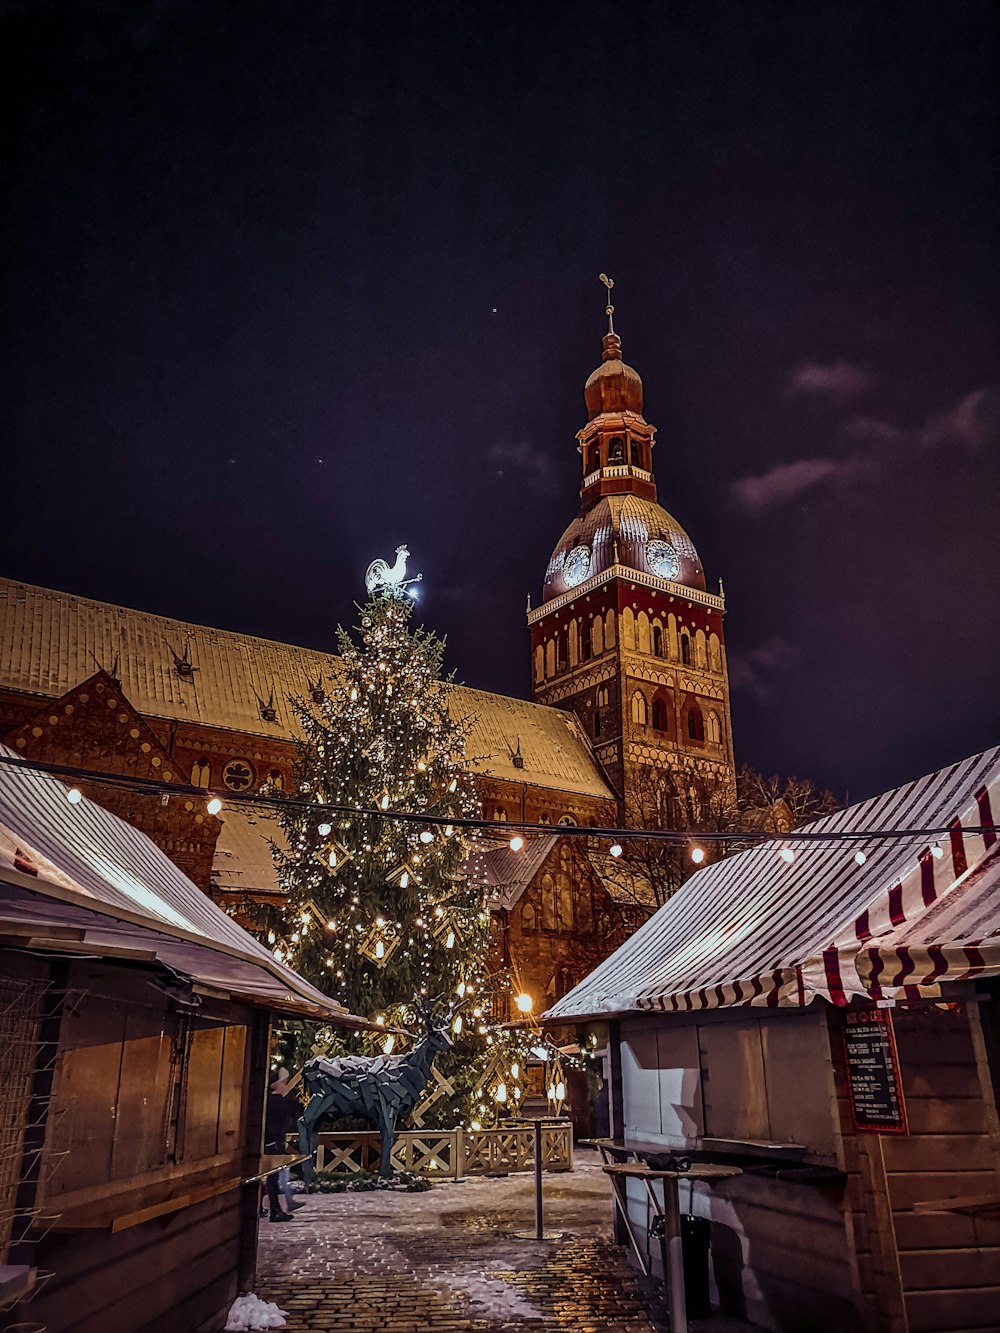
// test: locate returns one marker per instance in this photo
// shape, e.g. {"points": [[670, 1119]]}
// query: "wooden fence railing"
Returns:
{"points": [[450, 1153]]}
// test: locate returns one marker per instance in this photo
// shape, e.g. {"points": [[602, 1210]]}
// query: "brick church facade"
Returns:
{"points": [[629, 680]]}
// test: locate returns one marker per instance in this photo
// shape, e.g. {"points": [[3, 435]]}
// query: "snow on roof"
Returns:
{"points": [[243, 862], [757, 930], [508, 873], [98, 868], [51, 641]]}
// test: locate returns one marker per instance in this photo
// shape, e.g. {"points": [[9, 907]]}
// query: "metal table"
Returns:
{"points": [[668, 1215]]}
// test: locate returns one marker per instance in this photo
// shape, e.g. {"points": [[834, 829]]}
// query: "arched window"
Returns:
{"points": [[545, 817], [276, 779], [602, 697], [528, 919], [635, 454], [500, 814], [714, 728], [201, 773], [616, 449], [591, 459], [548, 902], [660, 722], [695, 724], [586, 647], [658, 640], [686, 648], [567, 821], [640, 713], [560, 652]]}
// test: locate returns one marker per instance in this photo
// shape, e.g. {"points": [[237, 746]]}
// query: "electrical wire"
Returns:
{"points": [[157, 787]]}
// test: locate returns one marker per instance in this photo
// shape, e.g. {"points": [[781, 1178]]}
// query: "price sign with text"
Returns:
{"points": [[873, 1072]]}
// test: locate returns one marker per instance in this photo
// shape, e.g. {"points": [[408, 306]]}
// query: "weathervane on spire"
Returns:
{"points": [[609, 309]]}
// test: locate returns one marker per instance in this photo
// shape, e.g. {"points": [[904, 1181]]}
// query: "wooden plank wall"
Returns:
{"points": [[928, 1272], [171, 1275], [781, 1252]]}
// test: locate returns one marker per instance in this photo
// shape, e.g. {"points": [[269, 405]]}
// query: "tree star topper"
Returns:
{"points": [[388, 579]]}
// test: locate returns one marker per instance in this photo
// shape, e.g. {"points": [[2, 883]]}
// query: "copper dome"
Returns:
{"points": [[614, 386], [627, 524]]}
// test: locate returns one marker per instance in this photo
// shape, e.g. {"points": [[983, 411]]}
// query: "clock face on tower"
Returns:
{"points": [[662, 559], [576, 565]]}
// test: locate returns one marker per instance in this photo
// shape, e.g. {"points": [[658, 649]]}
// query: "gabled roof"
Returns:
{"points": [[508, 874], [756, 930], [51, 641], [80, 868]]}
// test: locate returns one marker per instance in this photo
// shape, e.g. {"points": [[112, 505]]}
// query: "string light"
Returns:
{"points": [[860, 857], [74, 796], [426, 836], [524, 1002], [787, 854], [937, 851], [214, 806], [616, 849], [516, 843], [155, 787], [697, 855]]}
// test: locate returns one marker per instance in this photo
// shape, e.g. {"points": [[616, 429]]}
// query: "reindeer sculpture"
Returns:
{"points": [[379, 1088]]}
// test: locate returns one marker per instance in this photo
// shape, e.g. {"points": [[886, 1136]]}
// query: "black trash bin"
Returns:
{"points": [[696, 1235]]}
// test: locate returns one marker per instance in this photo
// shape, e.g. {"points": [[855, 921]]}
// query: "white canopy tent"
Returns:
{"points": [[756, 929]]}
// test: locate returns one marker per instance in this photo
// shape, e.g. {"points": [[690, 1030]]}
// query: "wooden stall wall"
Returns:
{"points": [[174, 1274], [781, 1251], [147, 1133], [928, 1272]]}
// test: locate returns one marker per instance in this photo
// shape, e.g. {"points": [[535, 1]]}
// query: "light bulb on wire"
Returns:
{"points": [[214, 806], [516, 843], [697, 855]]}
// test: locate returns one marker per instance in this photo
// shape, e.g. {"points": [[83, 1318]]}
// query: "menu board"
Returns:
{"points": [[873, 1072]]}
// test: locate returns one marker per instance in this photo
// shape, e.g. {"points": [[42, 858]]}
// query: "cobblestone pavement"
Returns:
{"points": [[448, 1261]]}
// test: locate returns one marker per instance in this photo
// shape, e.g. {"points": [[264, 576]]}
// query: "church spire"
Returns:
{"points": [[617, 442]]}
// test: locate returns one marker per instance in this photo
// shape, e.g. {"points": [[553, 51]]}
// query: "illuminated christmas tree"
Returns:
{"points": [[381, 910]]}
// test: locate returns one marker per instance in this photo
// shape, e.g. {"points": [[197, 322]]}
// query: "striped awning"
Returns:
{"points": [[957, 937], [757, 930]]}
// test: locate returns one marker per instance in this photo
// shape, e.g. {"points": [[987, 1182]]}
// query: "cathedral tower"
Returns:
{"points": [[627, 635]]}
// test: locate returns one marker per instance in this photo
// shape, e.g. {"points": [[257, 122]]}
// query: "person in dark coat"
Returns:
{"points": [[278, 1119]]}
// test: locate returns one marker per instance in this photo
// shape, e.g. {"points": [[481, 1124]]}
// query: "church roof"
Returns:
{"points": [[172, 669]]}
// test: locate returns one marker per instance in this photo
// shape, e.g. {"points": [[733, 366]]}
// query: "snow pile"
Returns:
{"points": [[250, 1312], [488, 1295]]}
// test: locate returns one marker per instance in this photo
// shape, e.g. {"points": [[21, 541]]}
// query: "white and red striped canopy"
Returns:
{"points": [[758, 930]]}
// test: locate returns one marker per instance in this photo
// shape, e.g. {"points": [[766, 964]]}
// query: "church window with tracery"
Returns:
{"points": [[201, 773], [658, 640], [640, 712], [686, 648]]}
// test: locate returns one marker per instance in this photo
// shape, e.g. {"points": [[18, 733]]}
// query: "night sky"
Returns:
{"points": [[287, 284]]}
